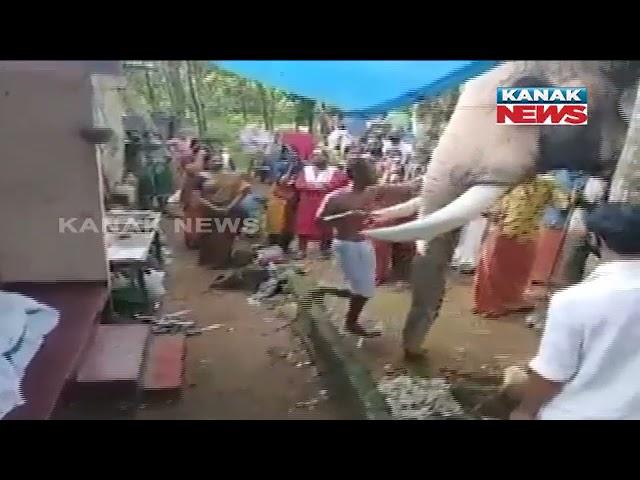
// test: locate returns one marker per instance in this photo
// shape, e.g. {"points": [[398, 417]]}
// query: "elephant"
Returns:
{"points": [[476, 161]]}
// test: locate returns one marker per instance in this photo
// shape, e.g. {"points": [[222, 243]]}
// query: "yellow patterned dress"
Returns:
{"points": [[523, 207]]}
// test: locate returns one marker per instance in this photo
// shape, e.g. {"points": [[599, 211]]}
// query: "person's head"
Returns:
{"points": [[361, 172], [614, 230], [320, 157]]}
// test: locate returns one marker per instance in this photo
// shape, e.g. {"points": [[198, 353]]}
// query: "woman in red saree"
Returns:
{"points": [[508, 251], [312, 184]]}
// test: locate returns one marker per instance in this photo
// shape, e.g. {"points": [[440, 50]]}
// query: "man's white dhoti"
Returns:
{"points": [[358, 263]]}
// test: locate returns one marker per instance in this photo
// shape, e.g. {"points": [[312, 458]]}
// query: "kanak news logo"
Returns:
{"points": [[541, 106]]}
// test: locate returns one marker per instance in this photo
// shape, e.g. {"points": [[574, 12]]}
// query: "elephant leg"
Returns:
{"points": [[428, 279]]}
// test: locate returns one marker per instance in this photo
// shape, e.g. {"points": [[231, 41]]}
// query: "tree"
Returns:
{"points": [[218, 102], [266, 110], [198, 107], [434, 114], [175, 86], [625, 184]]}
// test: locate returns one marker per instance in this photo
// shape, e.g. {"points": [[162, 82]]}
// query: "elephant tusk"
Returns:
{"points": [[463, 209]]}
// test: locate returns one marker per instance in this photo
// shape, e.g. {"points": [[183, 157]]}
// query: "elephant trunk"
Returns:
{"points": [[428, 272]]}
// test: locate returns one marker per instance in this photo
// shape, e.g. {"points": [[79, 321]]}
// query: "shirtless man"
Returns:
{"points": [[354, 252]]}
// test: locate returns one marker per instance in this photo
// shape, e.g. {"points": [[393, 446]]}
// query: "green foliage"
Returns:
{"points": [[218, 103], [434, 114]]}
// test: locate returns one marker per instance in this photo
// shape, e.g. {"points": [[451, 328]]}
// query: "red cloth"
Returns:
{"points": [[310, 198], [385, 250], [549, 245], [502, 274], [302, 141]]}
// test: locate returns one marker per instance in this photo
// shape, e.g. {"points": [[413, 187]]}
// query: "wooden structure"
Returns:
{"points": [[54, 247], [50, 172]]}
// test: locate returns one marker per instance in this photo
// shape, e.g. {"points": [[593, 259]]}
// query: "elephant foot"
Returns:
{"points": [[416, 357]]}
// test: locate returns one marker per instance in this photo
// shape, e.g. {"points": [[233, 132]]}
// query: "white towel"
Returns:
{"points": [[10, 396], [25, 323]]}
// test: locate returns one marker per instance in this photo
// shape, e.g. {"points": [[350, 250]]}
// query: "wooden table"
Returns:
{"points": [[133, 235]]}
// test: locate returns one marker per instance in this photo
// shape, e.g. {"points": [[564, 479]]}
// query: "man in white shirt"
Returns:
{"points": [[588, 363]]}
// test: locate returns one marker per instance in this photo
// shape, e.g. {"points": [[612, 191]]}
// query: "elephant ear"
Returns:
{"points": [[626, 102], [530, 80], [590, 148]]}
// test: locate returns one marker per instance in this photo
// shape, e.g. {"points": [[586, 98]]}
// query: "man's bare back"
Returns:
{"points": [[357, 204]]}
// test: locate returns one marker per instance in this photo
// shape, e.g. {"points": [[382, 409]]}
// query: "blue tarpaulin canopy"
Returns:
{"points": [[363, 88]]}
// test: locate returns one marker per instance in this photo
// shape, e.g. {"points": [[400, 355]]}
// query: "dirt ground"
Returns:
{"points": [[460, 343], [237, 372]]}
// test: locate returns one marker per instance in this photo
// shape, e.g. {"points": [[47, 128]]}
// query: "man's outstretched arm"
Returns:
{"points": [[404, 189], [399, 190]]}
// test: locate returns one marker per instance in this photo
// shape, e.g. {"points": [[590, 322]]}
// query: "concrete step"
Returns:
{"points": [[116, 355], [164, 365]]}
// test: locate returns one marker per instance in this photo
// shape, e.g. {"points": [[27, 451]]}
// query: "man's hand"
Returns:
{"points": [[360, 214], [375, 216]]}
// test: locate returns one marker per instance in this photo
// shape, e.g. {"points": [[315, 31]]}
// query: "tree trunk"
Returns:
{"points": [[310, 115], [150, 93], [194, 97], [243, 100], [625, 184], [274, 105], [200, 72], [325, 127], [264, 101], [175, 87]]}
